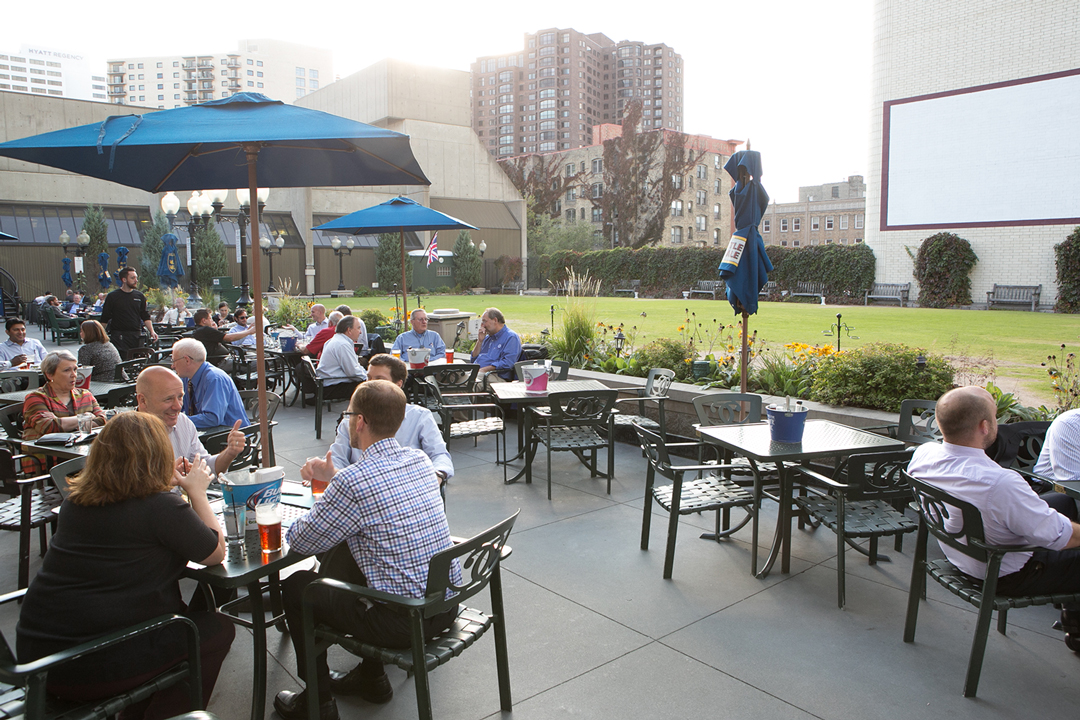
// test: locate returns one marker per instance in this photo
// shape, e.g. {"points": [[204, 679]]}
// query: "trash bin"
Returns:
{"points": [[224, 288]]}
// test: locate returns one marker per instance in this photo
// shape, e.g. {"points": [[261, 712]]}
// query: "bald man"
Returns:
{"points": [[1011, 511], [160, 392]]}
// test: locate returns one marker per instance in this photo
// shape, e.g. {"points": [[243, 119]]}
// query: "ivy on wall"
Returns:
{"points": [[1067, 260], [943, 270]]}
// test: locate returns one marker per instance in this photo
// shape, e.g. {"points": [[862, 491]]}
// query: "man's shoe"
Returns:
{"points": [[373, 689], [293, 706]]}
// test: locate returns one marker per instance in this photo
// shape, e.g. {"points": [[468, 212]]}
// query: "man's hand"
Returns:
{"points": [[18, 360], [237, 440], [153, 336], [319, 468]]}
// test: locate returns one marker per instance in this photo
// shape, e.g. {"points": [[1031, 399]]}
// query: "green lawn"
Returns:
{"points": [[1011, 342]]}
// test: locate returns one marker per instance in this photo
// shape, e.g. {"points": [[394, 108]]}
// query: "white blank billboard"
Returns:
{"points": [[997, 155]]}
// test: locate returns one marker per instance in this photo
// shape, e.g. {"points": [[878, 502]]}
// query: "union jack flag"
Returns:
{"points": [[433, 250]]}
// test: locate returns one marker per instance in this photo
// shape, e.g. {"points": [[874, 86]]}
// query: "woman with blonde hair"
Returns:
{"points": [[56, 407], [97, 351], [121, 545]]}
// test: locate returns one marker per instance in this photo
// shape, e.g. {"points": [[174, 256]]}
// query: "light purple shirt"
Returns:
{"points": [[1011, 511], [1060, 455]]}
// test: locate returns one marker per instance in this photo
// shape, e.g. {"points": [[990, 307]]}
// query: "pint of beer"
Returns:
{"points": [[318, 487], [268, 515]]}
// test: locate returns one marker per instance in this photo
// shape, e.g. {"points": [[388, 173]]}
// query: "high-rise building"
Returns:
{"points": [[49, 71], [549, 95], [282, 70]]}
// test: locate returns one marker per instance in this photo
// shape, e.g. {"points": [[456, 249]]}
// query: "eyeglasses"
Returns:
{"points": [[351, 414]]}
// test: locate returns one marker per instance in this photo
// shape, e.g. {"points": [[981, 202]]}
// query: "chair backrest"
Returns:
{"points": [[918, 423], [953, 521], [1018, 444], [875, 476], [143, 353], [655, 450], [480, 556], [250, 398], [375, 344], [61, 471], [452, 378], [11, 419], [15, 380], [533, 351], [728, 408], [561, 366], [580, 408], [128, 370], [309, 379], [249, 456], [120, 397], [659, 382]]}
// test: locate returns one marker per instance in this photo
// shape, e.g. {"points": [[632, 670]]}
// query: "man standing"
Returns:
{"points": [[212, 398], [418, 429], [18, 348], [207, 332], [384, 520], [124, 312], [339, 367], [419, 337], [160, 392], [1012, 513], [497, 347]]}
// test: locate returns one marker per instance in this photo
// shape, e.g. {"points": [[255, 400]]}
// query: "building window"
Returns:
{"points": [[676, 182], [828, 222], [301, 72], [783, 224], [796, 224], [836, 191], [765, 225], [716, 236], [597, 190], [570, 215], [858, 223], [571, 194], [598, 165], [702, 197], [699, 223], [597, 215], [716, 211], [676, 208], [676, 235], [815, 224], [796, 243], [843, 222]]}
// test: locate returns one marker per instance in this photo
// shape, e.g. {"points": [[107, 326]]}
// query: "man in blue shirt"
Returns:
{"points": [[212, 398], [419, 337], [18, 348], [497, 347]]}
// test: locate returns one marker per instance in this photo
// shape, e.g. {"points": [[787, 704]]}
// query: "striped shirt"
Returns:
{"points": [[387, 507], [1060, 455], [44, 400]]}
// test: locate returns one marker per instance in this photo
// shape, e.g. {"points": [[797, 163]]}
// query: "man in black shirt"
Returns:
{"points": [[123, 313], [213, 338]]}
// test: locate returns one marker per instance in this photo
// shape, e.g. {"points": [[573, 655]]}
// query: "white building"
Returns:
{"points": [[281, 70], [56, 72]]}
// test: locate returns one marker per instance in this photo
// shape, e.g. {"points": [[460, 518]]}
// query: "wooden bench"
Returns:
{"points": [[709, 287], [565, 287], [1014, 295], [806, 288], [512, 288], [888, 291], [630, 287], [768, 290]]}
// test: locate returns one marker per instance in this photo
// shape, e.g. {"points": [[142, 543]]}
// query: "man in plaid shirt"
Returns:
{"points": [[379, 522]]}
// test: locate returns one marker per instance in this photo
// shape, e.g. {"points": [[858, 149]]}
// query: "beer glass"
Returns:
{"points": [[268, 516]]}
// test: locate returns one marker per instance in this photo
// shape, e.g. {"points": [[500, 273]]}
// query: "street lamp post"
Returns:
{"points": [[271, 248], [243, 197], [81, 241], [341, 252], [198, 207]]}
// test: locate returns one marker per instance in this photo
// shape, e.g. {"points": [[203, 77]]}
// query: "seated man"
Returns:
{"points": [[212, 337], [418, 429], [1060, 455], [314, 347], [99, 303], [318, 315], [160, 392], [1011, 511], [419, 337], [339, 367], [246, 332], [212, 398], [383, 520], [18, 348], [497, 348]]}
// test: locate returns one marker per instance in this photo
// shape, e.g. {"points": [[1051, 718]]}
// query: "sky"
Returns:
{"points": [[792, 76]]}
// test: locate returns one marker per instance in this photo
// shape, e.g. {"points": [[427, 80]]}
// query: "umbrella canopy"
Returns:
{"points": [[247, 140], [5, 236], [745, 266], [204, 146], [397, 215]]}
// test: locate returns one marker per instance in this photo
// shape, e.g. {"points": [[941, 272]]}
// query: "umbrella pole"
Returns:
{"points": [[745, 354], [252, 151], [404, 289]]}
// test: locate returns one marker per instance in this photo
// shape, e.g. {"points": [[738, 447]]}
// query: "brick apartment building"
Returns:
{"points": [[549, 95], [825, 214]]}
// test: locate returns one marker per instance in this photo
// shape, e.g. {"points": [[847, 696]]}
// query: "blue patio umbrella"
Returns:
{"points": [[397, 215], [247, 140], [104, 277], [5, 236], [121, 263], [66, 275], [745, 267], [170, 269]]}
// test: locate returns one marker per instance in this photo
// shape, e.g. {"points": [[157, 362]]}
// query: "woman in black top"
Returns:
{"points": [[122, 542]]}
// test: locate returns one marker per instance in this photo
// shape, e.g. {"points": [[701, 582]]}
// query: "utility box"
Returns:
{"points": [[445, 321], [224, 288]]}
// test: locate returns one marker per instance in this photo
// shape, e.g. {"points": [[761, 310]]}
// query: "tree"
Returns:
{"points": [[943, 270], [644, 172], [95, 225], [541, 180], [150, 257], [388, 262], [208, 257], [467, 262], [548, 235]]}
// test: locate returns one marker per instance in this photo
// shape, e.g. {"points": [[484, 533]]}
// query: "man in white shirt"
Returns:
{"points": [[1060, 455], [419, 337], [339, 367], [160, 392], [318, 314], [18, 348], [1012, 513]]}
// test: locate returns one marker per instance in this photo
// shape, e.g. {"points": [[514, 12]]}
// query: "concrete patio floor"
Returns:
{"points": [[595, 631]]}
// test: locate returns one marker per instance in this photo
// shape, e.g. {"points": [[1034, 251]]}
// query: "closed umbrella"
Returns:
{"points": [[170, 269], [104, 277], [247, 140]]}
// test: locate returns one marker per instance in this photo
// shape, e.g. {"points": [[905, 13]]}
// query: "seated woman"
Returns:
{"points": [[97, 351], [120, 547], [56, 406]]}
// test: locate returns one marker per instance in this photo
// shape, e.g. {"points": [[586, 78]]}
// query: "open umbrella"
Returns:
{"points": [[247, 140], [5, 236], [399, 214], [745, 267]]}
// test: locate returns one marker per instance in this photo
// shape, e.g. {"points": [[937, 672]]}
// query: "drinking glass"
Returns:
{"points": [[268, 516]]}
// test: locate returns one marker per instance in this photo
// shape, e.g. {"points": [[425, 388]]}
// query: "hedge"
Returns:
{"points": [[1067, 260]]}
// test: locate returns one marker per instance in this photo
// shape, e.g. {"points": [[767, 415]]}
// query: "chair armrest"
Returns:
{"points": [[363, 591], [12, 596], [33, 480], [827, 481], [1039, 483]]}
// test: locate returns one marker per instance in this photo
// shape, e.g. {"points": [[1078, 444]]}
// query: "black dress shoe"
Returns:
{"points": [[373, 689], [293, 706]]}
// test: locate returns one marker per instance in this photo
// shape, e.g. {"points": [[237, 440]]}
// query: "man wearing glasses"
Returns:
{"points": [[212, 399]]}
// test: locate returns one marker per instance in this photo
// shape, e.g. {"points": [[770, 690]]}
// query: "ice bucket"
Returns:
{"points": [[536, 379], [418, 357], [786, 424]]}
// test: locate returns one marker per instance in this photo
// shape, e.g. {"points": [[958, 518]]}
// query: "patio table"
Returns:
{"points": [[821, 439]]}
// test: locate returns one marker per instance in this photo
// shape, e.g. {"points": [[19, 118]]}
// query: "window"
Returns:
{"points": [[716, 236], [796, 243], [828, 222], [571, 194], [765, 225], [597, 215], [702, 171], [676, 208], [815, 224], [843, 222], [300, 82], [311, 73], [716, 211], [301, 72], [570, 215], [676, 236], [597, 190], [699, 223], [571, 169], [796, 224], [858, 224], [716, 186], [676, 182], [598, 165], [836, 191]]}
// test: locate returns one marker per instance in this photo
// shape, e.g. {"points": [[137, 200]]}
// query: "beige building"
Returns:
{"points": [[825, 214], [549, 95], [431, 105], [281, 70]]}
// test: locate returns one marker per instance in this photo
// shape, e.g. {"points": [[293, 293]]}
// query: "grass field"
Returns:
{"points": [[1012, 344]]}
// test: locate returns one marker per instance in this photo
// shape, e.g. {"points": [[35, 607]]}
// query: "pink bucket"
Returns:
{"points": [[536, 379]]}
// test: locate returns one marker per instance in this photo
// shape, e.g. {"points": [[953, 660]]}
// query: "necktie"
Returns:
{"points": [[191, 395]]}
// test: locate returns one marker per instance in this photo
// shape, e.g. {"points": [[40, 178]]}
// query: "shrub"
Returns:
{"points": [[1064, 379], [373, 318], [1067, 261], [291, 310], [509, 268], [943, 271], [364, 292], [574, 341], [665, 353], [444, 290], [880, 376]]}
